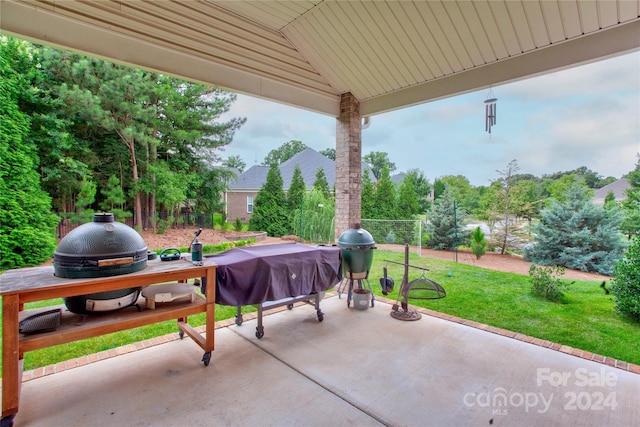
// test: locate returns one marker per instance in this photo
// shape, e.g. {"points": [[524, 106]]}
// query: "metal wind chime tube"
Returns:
{"points": [[490, 113]]}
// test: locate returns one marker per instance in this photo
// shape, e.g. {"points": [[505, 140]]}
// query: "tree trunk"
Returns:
{"points": [[134, 169], [152, 197]]}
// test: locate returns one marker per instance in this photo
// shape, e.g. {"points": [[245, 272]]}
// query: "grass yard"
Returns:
{"points": [[586, 320]]}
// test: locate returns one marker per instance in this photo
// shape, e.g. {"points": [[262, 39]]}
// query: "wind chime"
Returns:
{"points": [[490, 112]]}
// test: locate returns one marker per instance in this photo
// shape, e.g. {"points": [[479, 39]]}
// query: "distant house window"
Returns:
{"points": [[249, 204]]}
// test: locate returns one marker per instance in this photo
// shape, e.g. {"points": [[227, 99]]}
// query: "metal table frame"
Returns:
{"points": [[313, 299]]}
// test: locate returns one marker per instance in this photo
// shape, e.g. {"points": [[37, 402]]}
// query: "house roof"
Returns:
{"points": [[398, 178], [306, 53], [309, 161], [618, 188], [251, 179]]}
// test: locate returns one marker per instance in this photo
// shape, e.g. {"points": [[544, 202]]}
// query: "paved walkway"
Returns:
{"points": [[355, 368]]}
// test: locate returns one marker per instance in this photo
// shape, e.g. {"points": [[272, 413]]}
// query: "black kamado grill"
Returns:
{"points": [[100, 248], [357, 247]]}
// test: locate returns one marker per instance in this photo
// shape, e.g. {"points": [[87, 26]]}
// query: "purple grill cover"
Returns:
{"points": [[256, 274]]}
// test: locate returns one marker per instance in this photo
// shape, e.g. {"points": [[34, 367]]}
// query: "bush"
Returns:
{"points": [[163, 225], [237, 225], [545, 282], [478, 244], [626, 284]]}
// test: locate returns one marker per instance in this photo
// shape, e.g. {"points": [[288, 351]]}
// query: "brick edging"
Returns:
{"points": [[151, 342]]}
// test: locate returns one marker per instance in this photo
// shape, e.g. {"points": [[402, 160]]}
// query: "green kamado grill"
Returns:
{"points": [[357, 247], [100, 248]]}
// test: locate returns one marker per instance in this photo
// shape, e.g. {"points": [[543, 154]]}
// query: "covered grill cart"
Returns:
{"points": [[270, 276]]}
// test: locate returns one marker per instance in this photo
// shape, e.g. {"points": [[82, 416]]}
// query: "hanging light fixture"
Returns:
{"points": [[490, 111]]}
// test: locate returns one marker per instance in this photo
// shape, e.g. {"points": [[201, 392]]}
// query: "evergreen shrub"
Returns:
{"points": [[478, 244], [626, 285]]}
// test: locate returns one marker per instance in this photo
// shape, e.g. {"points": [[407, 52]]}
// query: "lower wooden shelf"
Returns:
{"points": [[76, 327]]}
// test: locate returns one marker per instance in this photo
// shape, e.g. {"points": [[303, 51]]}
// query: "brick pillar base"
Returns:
{"points": [[348, 164]]}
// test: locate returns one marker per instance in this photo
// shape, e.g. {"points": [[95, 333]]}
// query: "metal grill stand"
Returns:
{"points": [[361, 280], [421, 288]]}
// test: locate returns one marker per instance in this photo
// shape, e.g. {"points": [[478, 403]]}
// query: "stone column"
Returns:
{"points": [[348, 164]]}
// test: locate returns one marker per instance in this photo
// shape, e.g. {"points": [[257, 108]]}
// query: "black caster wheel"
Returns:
{"points": [[290, 306], [206, 358], [181, 333], [320, 316], [238, 320], [259, 332]]}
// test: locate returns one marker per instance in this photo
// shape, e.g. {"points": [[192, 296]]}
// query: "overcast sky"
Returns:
{"points": [[584, 116]]}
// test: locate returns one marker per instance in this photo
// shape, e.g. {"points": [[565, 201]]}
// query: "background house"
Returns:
{"points": [[242, 191], [619, 189]]}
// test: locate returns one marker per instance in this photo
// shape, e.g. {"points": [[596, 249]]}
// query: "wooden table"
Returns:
{"points": [[20, 286]]}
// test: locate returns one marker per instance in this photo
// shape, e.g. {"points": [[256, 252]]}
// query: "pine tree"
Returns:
{"points": [[385, 197], [295, 197], [297, 190], [577, 234], [407, 208], [114, 198], [478, 244], [321, 183], [442, 223], [269, 210], [125, 121], [367, 197], [407, 200]]}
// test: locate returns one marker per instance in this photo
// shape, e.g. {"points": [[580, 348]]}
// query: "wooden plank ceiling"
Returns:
{"points": [[388, 54]]}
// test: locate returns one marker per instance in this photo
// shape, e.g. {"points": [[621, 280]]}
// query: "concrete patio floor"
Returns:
{"points": [[356, 368]]}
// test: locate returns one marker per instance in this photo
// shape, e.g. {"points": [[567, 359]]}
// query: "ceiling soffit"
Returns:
{"points": [[388, 54]]}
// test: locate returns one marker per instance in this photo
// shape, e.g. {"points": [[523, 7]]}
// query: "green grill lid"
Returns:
{"points": [[100, 248], [356, 237]]}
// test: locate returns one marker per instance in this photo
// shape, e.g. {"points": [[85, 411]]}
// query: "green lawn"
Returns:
{"points": [[586, 321]]}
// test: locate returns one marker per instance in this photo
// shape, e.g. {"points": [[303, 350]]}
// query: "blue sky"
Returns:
{"points": [[583, 116]]}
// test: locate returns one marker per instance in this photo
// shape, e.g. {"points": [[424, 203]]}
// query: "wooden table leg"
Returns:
{"points": [[11, 360], [211, 309]]}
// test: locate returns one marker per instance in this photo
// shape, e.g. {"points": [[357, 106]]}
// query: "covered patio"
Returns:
{"points": [[351, 61], [357, 367]]}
